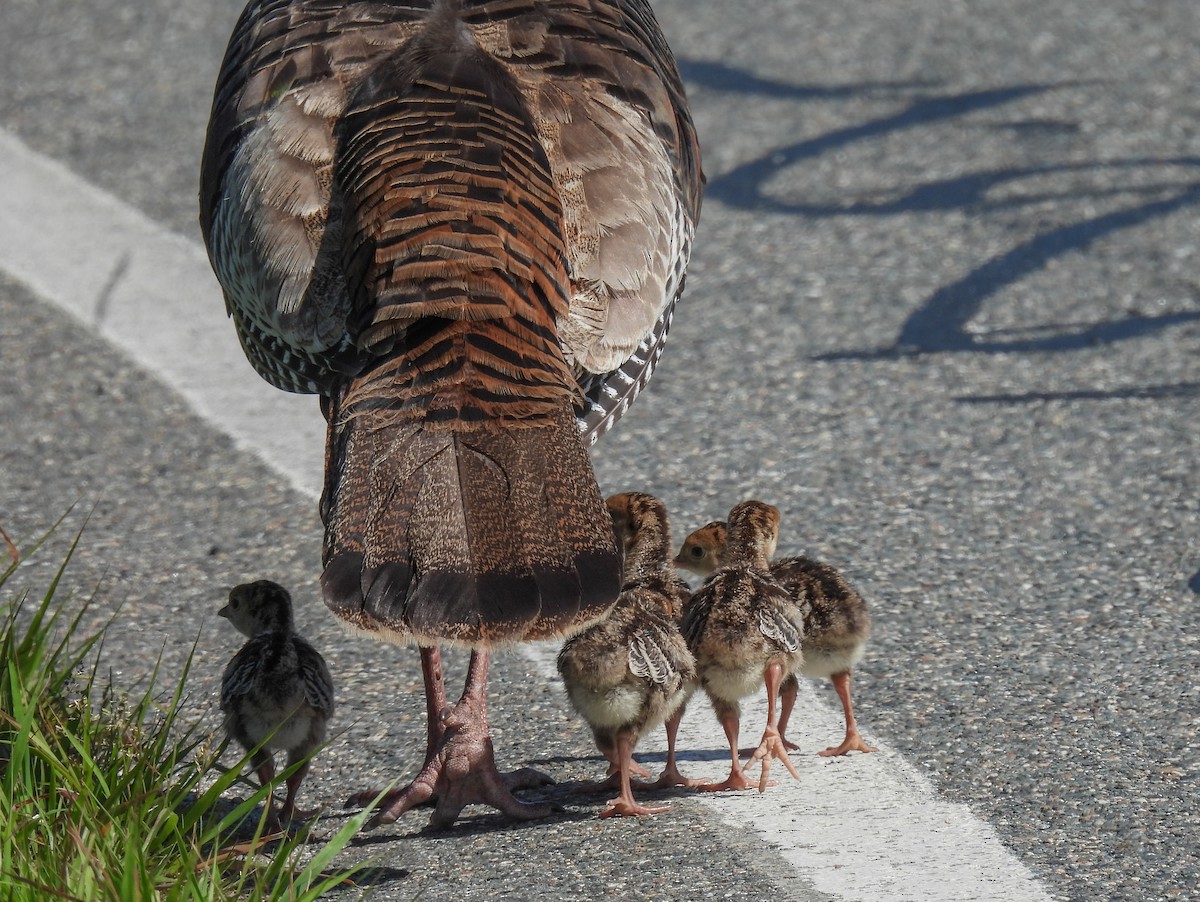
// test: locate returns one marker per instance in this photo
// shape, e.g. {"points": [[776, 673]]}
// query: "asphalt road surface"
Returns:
{"points": [[943, 311]]}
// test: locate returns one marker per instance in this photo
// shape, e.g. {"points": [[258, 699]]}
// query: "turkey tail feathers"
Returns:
{"points": [[473, 536], [460, 503]]}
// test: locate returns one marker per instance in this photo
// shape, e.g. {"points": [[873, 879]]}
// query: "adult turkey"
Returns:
{"points": [[465, 224]]}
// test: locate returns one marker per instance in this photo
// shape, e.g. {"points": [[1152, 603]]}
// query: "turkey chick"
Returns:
{"points": [[745, 631], [836, 630], [643, 532], [276, 692], [632, 670]]}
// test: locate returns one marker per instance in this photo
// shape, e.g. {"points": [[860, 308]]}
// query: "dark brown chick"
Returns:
{"points": [[836, 629], [276, 692], [745, 631], [632, 670]]}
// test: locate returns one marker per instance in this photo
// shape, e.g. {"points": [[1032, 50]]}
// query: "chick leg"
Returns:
{"points": [[612, 777], [616, 765], [264, 768], [289, 812], [624, 804], [853, 741], [787, 700], [670, 775], [607, 747], [771, 745], [728, 715], [462, 769], [12, 549], [637, 770]]}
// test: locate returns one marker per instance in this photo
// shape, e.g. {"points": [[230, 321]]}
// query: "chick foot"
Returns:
{"points": [[852, 743], [670, 775], [772, 746], [624, 804], [737, 779], [613, 779]]}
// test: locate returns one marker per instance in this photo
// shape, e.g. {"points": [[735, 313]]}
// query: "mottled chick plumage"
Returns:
{"points": [[633, 670], [643, 532], [277, 691], [745, 631], [837, 623]]}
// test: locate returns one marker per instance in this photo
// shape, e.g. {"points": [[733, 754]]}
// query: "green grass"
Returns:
{"points": [[107, 796]]}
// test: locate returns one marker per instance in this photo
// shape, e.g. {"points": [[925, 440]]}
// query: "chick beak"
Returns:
{"points": [[224, 612]]}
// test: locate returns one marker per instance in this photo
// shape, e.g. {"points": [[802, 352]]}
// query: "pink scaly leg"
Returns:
{"points": [[787, 701], [771, 745], [737, 779], [624, 805], [671, 775], [853, 741], [462, 768]]}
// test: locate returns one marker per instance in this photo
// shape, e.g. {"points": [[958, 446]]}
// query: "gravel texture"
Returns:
{"points": [[943, 311], [172, 516]]}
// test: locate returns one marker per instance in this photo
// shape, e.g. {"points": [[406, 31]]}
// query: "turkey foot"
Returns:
{"points": [[737, 778], [670, 775], [772, 746], [462, 769], [624, 805], [613, 778], [852, 743]]}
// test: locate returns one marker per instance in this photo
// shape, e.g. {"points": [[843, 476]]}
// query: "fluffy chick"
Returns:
{"points": [[632, 670], [836, 629], [643, 532], [745, 631], [276, 692]]}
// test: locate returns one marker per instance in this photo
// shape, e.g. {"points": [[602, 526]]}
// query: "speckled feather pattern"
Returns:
{"points": [[632, 669], [628, 672], [837, 619], [466, 225], [643, 531], [279, 684], [277, 688], [742, 619], [302, 81]]}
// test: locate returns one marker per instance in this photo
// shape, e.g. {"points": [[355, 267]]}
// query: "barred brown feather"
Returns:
{"points": [[465, 225]]}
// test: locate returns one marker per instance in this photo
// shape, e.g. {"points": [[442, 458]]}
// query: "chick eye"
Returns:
{"points": [[696, 551], [233, 603]]}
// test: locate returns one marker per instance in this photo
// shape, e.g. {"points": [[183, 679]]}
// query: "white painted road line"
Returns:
{"points": [[862, 827], [866, 827], [153, 294]]}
